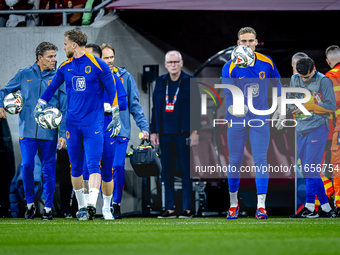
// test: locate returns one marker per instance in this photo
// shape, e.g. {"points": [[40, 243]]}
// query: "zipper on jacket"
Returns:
{"points": [[36, 131]]}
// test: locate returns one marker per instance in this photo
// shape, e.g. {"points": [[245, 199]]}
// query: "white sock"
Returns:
{"points": [[86, 198], [261, 201], [29, 206], [47, 209], [80, 198], [107, 201], [310, 206], [233, 199], [93, 196], [326, 207]]}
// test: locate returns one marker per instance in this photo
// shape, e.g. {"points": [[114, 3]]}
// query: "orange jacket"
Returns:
{"points": [[334, 75]]}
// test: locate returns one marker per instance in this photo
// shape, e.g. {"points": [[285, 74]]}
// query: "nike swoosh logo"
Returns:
{"points": [[313, 141], [97, 132], [241, 77], [112, 143], [29, 80], [69, 69]]}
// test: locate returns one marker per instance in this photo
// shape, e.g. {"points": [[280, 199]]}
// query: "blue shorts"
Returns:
{"points": [[106, 161], [88, 139]]}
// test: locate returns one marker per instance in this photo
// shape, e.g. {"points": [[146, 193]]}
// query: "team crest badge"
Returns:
{"points": [[255, 89], [121, 79], [88, 69], [67, 134], [262, 75], [79, 83]]}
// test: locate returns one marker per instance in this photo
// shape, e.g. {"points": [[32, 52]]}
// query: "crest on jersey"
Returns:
{"points": [[49, 82], [67, 135], [121, 79], [262, 75], [78, 83], [255, 89], [87, 69]]}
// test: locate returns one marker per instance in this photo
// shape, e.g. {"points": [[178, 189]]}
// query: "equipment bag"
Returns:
{"points": [[145, 161]]}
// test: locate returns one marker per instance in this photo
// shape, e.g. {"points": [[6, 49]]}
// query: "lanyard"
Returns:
{"points": [[167, 93]]}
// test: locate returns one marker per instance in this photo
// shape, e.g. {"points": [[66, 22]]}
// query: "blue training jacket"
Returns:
{"points": [[85, 78], [32, 83]]}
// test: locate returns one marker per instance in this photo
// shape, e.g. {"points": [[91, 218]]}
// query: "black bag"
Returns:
{"points": [[145, 161]]}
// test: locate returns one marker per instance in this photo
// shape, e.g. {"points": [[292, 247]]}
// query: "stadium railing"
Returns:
{"points": [[63, 11]]}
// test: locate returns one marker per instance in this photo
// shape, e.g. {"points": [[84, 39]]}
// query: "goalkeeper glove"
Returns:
{"points": [[230, 110], [39, 114], [38, 110], [277, 116], [115, 123]]}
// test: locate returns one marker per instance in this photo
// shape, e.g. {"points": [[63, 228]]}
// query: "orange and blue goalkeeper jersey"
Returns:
{"points": [[257, 77], [85, 79]]}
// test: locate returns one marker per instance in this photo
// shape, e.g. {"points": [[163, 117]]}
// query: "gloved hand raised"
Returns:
{"points": [[115, 123], [277, 115]]}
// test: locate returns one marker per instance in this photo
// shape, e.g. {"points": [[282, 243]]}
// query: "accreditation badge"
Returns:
{"points": [[169, 107]]}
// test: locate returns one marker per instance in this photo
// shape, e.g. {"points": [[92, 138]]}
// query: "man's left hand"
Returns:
{"points": [[194, 138], [277, 115], [61, 143], [279, 118], [115, 123]]}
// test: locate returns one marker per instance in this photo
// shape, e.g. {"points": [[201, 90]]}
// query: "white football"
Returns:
{"points": [[13, 103], [242, 56], [51, 118]]}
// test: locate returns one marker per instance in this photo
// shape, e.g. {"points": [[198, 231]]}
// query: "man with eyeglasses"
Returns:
{"points": [[172, 114], [312, 133]]}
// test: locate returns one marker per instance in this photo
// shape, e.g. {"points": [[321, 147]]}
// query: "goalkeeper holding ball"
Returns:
{"points": [[86, 77], [257, 76]]}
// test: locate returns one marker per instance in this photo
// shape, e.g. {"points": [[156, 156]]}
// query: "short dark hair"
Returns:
{"points": [[76, 36], [43, 47], [95, 48], [305, 66], [109, 46], [299, 55]]}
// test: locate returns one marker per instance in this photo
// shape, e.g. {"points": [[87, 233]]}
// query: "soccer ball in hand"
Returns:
{"points": [[51, 118], [13, 103], [242, 56]]}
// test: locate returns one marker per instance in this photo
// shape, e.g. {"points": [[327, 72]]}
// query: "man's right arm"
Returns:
{"points": [[135, 108], [48, 93], [13, 85], [57, 80]]}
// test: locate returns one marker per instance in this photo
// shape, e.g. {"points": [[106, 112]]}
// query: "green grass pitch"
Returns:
{"points": [[170, 236]]}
